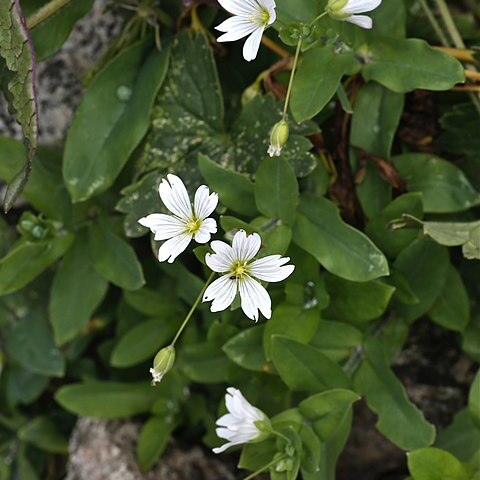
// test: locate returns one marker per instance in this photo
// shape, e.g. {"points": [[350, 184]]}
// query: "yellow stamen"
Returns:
{"points": [[193, 226], [239, 269]]}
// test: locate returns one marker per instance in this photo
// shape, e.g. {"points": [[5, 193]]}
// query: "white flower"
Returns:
{"points": [[251, 17], [185, 223], [244, 423], [346, 10], [235, 262]]}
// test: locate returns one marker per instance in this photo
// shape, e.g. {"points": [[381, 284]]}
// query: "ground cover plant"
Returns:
{"points": [[256, 204]]}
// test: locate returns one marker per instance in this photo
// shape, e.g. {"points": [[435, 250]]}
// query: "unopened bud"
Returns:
{"points": [[278, 138], [335, 9], [162, 363]]}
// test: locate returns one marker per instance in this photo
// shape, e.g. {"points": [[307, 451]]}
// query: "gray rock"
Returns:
{"points": [[105, 450]]}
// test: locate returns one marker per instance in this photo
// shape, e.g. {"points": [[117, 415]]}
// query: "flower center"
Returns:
{"points": [[239, 269], [260, 17], [193, 226]]}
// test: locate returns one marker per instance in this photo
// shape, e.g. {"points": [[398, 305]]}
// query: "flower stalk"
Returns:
{"points": [[292, 75], [45, 12]]}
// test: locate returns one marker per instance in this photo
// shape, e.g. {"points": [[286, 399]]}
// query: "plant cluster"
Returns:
{"points": [[312, 192]]}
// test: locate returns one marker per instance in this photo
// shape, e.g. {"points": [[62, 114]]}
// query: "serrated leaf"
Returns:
{"points": [[341, 249], [17, 81]]}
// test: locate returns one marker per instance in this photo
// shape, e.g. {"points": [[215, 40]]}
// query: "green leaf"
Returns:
{"points": [[49, 35], [452, 234], [29, 342], [245, 349], [444, 186], [425, 265], [405, 65], [398, 419], [152, 441], [106, 399], [45, 189], [435, 464], [452, 308], [26, 260], [24, 386], [357, 302], [69, 312], [17, 81], [154, 303], [114, 258], [235, 190], [461, 437], [42, 432], [204, 363], [375, 120], [393, 241], [256, 455], [341, 249], [100, 141], [316, 81], [305, 368], [276, 237], [290, 321], [325, 411], [276, 190], [474, 399], [336, 340], [142, 342]]}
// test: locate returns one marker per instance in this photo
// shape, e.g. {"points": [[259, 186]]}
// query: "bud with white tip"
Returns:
{"points": [[346, 10], [278, 138], [162, 363]]}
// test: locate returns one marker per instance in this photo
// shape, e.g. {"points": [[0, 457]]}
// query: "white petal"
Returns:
{"points": [[236, 28], [204, 203], [207, 227], [251, 46], [271, 268], [359, 6], [222, 260], [225, 446], [239, 7], [175, 197], [222, 291], [172, 248], [254, 297], [360, 20], [163, 226], [245, 248]]}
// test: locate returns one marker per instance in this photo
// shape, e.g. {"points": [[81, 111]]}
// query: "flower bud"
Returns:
{"points": [[278, 138], [335, 9], [162, 363]]}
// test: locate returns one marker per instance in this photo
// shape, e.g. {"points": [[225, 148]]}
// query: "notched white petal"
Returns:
{"points": [[172, 248]]}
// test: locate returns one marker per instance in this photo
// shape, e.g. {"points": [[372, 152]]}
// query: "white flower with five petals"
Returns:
{"points": [[239, 273], [243, 423], [347, 9], [186, 222], [251, 17]]}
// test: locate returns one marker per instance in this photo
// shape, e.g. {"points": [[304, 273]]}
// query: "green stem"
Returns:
{"points": [[433, 22], [194, 306], [46, 11], [282, 436], [262, 469], [450, 24], [316, 19], [292, 75]]}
